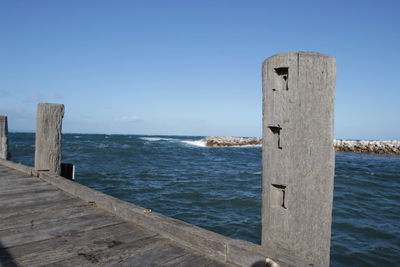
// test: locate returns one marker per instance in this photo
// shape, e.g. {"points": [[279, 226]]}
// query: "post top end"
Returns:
{"points": [[299, 53]]}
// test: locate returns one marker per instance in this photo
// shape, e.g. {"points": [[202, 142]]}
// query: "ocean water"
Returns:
{"points": [[219, 188]]}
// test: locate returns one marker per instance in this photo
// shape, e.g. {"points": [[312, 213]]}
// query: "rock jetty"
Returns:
{"points": [[218, 141], [372, 147], [362, 146]]}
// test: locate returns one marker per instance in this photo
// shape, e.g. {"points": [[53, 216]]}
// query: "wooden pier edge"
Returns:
{"points": [[217, 246], [19, 167]]}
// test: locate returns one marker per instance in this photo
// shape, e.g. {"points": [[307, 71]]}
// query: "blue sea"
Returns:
{"points": [[220, 188]]}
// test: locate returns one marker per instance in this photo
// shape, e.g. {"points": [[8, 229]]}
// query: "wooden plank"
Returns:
{"points": [[4, 170], [154, 256], [45, 217], [20, 182], [41, 225], [9, 180], [4, 197], [30, 188], [193, 259], [15, 175], [189, 235], [18, 199], [17, 182], [7, 175], [114, 254], [14, 237], [14, 178], [72, 246], [28, 208], [26, 170]]}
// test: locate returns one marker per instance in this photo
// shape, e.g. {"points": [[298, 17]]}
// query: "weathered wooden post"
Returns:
{"points": [[48, 137], [3, 137], [298, 154]]}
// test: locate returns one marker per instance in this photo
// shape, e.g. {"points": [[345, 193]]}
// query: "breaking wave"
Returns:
{"points": [[198, 143]]}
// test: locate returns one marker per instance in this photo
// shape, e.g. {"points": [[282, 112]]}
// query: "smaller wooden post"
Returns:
{"points": [[48, 137], [3, 137]]}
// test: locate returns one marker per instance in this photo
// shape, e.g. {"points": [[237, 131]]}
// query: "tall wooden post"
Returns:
{"points": [[3, 137], [298, 154], [48, 137]]}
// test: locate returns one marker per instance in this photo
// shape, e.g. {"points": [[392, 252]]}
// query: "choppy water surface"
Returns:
{"points": [[219, 188]]}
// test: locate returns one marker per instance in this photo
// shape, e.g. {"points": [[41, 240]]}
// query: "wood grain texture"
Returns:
{"points": [[21, 189], [11, 182], [40, 206], [42, 225], [45, 217], [3, 137], [298, 155], [14, 200], [115, 254], [14, 237], [71, 249], [153, 256], [189, 260], [48, 137]]}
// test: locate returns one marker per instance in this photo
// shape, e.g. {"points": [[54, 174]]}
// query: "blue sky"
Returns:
{"points": [[192, 67]]}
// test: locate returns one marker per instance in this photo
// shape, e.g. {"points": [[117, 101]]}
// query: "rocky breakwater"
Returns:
{"points": [[373, 147], [223, 141]]}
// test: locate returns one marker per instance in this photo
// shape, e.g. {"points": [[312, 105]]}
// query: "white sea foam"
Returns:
{"points": [[198, 143], [101, 145], [259, 145], [203, 143], [155, 139]]}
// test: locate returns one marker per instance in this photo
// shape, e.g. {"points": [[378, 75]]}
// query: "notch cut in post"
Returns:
{"points": [[278, 195], [283, 77], [276, 130]]}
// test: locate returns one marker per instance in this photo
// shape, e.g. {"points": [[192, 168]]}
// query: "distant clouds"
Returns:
{"points": [[15, 112], [5, 93], [34, 97], [128, 118], [19, 105]]}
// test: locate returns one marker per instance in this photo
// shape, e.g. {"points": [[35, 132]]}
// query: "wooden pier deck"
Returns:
{"points": [[42, 225]]}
